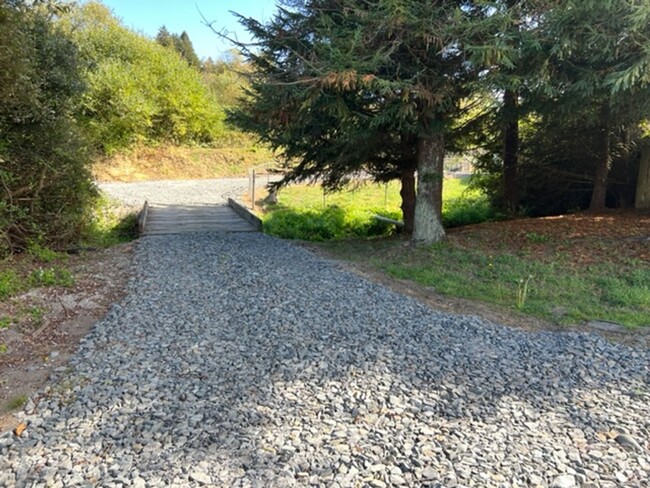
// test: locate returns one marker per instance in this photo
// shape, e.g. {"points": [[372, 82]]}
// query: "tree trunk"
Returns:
{"points": [[599, 195], [428, 200], [642, 199], [510, 153], [407, 192]]}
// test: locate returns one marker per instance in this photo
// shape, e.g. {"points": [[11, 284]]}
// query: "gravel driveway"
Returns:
{"points": [[241, 360], [178, 191]]}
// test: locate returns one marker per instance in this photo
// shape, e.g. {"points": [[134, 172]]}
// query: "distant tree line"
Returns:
{"points": [[552, 95]]}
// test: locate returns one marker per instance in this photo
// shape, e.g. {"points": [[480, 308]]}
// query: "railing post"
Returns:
{"points": [[253, 189]]}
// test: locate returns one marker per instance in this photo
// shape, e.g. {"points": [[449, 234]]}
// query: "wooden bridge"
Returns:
{"points": [[159, 219]]}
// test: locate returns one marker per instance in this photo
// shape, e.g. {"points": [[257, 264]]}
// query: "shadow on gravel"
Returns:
{"points": [[240, 356]]}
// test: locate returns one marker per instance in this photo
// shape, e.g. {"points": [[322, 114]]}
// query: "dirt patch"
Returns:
{"points": [[48, 323], [585, 238], [168, 162]]}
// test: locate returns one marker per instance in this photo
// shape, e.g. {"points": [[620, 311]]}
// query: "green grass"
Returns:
{"points": [[17, 402], [53, 276], [39, 266], [10, 283], [556, 290], [306, 212], [5, 322]]}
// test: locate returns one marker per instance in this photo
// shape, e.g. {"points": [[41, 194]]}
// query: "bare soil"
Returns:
{"points": [[48, 324], [180, 163]]}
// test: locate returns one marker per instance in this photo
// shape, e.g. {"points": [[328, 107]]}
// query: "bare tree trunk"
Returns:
{"points": [[642, 199], [599, 195], [510, 153], [428, 200], [407, 192]]}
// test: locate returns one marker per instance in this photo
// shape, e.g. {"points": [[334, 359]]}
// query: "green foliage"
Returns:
{"points": [[536, 238], [227, 79], [138, 90], [5, 322], [9, 283], [53, 276], [45, 184], [16, 402], [305, 212], [331, 222], [43, 254], [181, 44], [110, 224], [466, 210]]}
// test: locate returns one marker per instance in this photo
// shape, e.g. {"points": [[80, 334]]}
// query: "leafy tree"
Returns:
{"points": [[138, 91], [45, 183], [226, 78]]}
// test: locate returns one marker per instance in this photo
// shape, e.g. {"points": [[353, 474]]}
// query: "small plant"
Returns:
{"points": [[17, 402], [43, 254], [9, 283], [51, 277], [536, 238], [5, 322], [36, 315], [3, 348], [522, 291]]}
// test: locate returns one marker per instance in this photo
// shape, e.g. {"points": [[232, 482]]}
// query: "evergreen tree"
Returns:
{"points": [[164, 37], [187, 51], [181, 44], [600, 60], [342, 86]]}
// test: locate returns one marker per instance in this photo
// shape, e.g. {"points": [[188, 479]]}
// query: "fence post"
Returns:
{"points": [[253, 189]]}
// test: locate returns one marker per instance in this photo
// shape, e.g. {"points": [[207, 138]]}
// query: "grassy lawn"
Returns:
{"points": [[306, 212], [529, 265]]}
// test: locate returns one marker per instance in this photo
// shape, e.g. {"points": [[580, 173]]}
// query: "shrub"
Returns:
{"points": [[331, 222], [45, 184], [138, 90]]}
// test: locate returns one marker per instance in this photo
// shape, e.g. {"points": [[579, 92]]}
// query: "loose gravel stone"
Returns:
{"points": [[178, 191], [241, 360]]}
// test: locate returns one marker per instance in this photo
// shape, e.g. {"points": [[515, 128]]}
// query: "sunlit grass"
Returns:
{"points": [[308, 212], [556, 291]]}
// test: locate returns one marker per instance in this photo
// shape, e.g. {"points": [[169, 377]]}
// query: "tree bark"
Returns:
{"points": [[407, 192], [599, 195], [642, 199], [428, 200], [510, 153]]}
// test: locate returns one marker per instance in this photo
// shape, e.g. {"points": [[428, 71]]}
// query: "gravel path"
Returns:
{"points": [[241, 360], [178, 191]]}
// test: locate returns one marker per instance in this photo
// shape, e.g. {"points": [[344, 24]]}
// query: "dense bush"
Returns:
{"points": [[138, 90], [45, 185], [331, 222]]}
